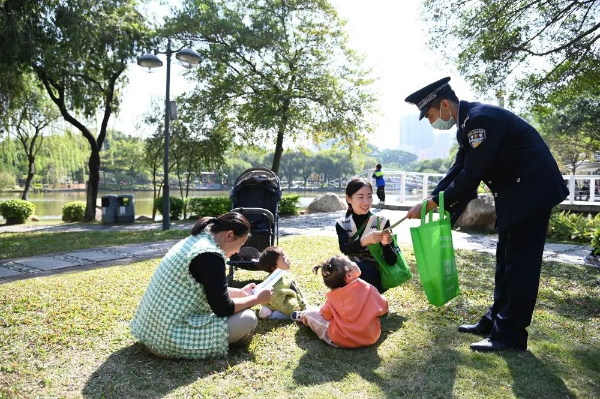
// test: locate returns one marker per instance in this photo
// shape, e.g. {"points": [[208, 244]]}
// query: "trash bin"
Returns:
{"points": [[109, 209], [126, 212]]}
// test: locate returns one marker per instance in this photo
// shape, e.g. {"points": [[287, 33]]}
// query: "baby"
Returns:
{"points": [[286, 294], [350, 316]]}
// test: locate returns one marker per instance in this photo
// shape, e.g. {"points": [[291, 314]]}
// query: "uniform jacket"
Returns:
{"points": [[510, 157], [353, 313], [174, 317], [286, 296]]}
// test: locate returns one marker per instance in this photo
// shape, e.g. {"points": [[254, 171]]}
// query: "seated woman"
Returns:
{"points": [[357, 230], [187, 310]]}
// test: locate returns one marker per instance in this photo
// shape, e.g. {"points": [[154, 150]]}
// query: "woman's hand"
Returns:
{"points": [[264, 295], [386, 238], [248, 289], [373, 237]]}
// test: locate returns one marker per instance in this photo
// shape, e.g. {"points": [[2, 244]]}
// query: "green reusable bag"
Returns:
{"points": [[434, 252], [391, 275]]}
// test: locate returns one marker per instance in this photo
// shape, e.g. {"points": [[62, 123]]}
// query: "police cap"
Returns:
{"points": [[424, 97]]}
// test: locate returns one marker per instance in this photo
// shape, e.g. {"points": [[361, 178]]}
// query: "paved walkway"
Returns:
{"points": [[318, 224]]}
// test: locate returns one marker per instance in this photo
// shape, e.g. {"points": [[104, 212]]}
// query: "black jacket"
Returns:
{"points": [[510, 157]]}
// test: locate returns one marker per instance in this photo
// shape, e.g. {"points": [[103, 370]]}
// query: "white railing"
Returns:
{"points": [[581, 187], [407, 183]]}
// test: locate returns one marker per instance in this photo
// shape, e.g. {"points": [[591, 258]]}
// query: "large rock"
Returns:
{"points": [[479, 215], [328, 202]]}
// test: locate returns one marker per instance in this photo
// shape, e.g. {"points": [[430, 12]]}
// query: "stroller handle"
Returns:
{"points": [[255, 211]]}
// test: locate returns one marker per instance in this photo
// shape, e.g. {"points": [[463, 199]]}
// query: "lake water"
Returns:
{"points": [[49, 204]]}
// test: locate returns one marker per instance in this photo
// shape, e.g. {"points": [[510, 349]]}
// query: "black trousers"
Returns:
{"points": [[371, 275], [381, 193], [518, 265]]}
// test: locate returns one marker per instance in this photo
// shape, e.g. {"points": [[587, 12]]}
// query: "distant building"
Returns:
{"points": [[419, 138]]}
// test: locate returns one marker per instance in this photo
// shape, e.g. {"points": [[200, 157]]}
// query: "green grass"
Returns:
{"points": [[67, 336], [20, 245]]}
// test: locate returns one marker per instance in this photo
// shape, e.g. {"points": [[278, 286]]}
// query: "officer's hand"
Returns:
{"points": [[414, 212], [371, 238]]}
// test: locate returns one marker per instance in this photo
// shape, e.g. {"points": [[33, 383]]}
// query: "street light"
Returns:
{"points": [[188, 58]]}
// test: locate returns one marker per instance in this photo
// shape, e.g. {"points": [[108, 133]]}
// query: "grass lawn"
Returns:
{"points": [[21, 245], [67, 336]]}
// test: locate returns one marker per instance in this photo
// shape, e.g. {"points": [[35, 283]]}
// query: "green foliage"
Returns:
{"points": [[533, 49], [567, 226], [176, 205], [208, 206], [73, 211], [16, 211], [289, 204], [7, 180], [282, 70]]}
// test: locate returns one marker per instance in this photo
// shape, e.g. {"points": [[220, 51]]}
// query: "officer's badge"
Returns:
{"points": [[476, 137]]}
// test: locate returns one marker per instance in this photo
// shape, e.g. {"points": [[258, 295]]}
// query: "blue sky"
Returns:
{"points": [[389, 33]]}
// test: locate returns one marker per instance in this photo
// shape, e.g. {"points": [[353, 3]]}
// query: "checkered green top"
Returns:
{"points": [[174, 317]]}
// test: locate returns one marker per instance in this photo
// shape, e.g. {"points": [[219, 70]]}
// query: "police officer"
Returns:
{"points": [[510, 157]]}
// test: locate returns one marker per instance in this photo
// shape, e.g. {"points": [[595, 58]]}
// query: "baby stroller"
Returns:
{"points": [[255, 194]]}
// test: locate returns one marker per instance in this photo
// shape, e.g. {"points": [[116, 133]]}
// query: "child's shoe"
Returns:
{"points": [[296, 317], [264, 312]]}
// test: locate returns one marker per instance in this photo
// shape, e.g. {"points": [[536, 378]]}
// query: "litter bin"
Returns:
{"points": [[109, 209], [126, 213]]}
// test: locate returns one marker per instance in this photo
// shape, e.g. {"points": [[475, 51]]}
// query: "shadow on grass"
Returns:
{"points": [[527, 371], [133, 372], [322, 363]]}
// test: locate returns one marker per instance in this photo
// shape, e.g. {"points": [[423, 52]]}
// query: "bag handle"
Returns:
{"points": [[361, 228], [441, 211]]}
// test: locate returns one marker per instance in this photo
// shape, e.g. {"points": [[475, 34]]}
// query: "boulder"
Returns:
{"points": [[144, 218], [328, 202], [479, 215]]}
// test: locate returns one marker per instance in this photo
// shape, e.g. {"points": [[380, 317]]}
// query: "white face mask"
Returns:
{"points": [[441, 124]]}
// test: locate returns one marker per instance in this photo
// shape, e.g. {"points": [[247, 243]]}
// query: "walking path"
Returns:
{"points": [[316, 224]]}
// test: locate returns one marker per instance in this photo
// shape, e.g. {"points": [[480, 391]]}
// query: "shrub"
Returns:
{"points": [[16, 211], [208, 206], [73, 211], [289, 204], [567, 226], [176, 205]]}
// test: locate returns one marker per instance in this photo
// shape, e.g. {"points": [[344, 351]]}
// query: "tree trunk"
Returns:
{"points": [[92, 185], [280, 133], [30, 174]]}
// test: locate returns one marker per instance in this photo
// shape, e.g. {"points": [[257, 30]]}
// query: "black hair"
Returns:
{"points": [[334, 271], [353, 186], [267, 261], [233, 221], [378, 166], [449, 95]]}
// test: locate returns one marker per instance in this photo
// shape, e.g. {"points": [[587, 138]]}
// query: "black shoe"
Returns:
{"points": [[478, 329], [489, 345]]}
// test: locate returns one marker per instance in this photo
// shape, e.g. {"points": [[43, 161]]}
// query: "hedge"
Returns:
{"points": [[208, 206], [16, 211], [176, 205], [73, 211]]}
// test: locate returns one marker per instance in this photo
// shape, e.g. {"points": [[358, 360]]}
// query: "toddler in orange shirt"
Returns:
{"points": [[350, 316]]}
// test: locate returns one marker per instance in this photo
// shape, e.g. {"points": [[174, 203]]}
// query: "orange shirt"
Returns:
{"points": [[353, 313]]}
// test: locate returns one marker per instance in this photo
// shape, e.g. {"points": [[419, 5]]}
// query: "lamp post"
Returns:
{"points": [[188, 57]]}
